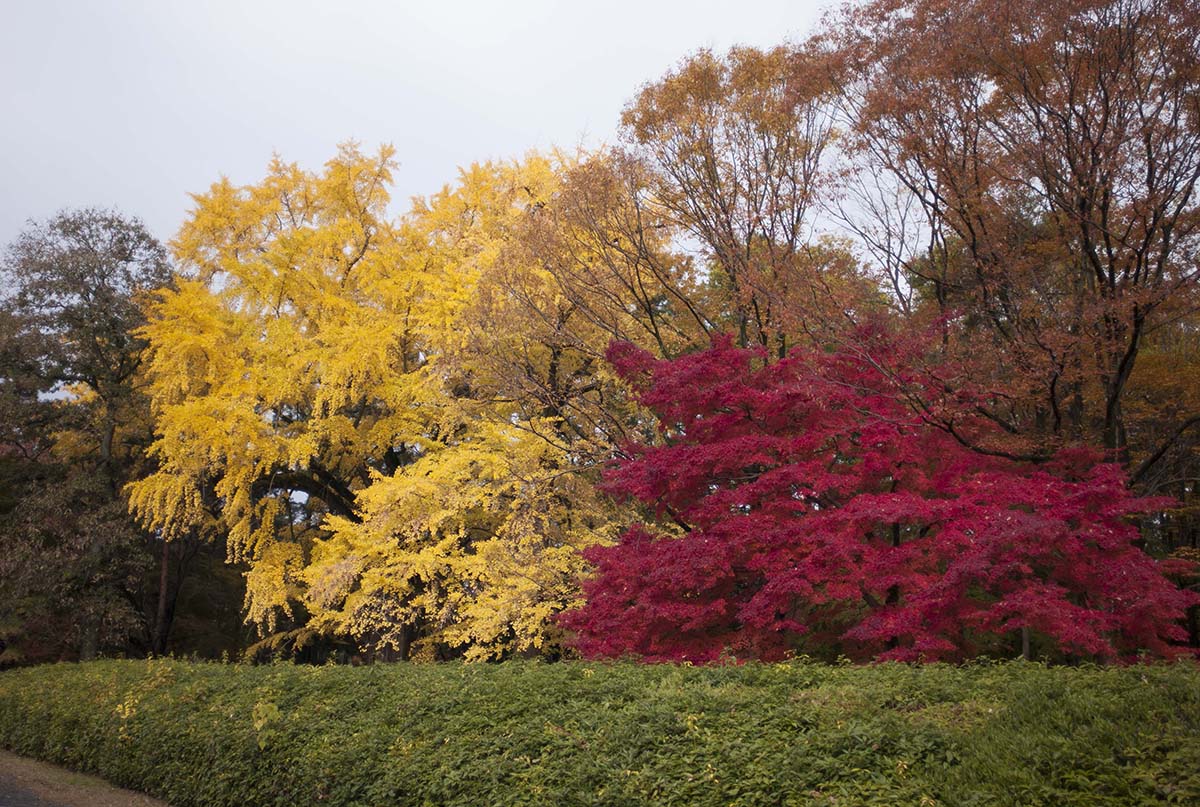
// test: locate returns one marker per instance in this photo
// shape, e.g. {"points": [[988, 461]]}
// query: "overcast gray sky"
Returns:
{"points": [[136, 104]]}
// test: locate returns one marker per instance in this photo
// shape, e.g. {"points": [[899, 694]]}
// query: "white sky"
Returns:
{"points": [[136, 104]]}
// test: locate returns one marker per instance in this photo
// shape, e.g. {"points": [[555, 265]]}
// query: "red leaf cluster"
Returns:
{"points": [[821, 511]]}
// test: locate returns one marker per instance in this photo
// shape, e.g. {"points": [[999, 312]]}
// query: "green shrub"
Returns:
{"points": [[617, 734]]}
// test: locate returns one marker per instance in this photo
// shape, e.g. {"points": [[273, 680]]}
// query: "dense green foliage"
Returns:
{"points": [[534, 733]]}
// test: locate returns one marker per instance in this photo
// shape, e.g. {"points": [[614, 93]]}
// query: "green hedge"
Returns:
{"points": [[622, 734]]}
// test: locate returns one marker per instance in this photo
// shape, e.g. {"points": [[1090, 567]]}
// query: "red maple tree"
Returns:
{"points": [[816, 509]]}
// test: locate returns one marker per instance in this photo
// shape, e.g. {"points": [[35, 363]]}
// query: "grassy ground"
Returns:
{"points": [[617, 734]]}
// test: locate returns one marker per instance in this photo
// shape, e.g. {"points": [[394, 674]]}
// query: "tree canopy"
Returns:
{"points": [[885, 341]]}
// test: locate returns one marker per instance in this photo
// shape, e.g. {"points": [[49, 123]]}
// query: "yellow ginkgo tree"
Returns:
{"points": [[285, 367], [478, 540], [397, 424]]}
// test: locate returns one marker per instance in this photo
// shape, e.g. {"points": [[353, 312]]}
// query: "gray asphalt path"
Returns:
{"points": [[13, 795], [29, 783]]}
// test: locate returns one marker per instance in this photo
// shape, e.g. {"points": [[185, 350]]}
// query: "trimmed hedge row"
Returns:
{"points": [[617, 734]]}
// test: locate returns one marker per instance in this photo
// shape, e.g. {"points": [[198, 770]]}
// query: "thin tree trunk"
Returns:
{"points": [[89, 640], [407, 633], [159, 645]]}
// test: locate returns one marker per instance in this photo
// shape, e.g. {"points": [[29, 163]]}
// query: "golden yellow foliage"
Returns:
{"points": [[285, 365], [395, 423], [479, 538]]}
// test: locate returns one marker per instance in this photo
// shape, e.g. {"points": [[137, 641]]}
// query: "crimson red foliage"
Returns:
{"points": [[819, 512]]}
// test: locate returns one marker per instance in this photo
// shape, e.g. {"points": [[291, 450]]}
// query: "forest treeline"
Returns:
{"points": [[879, 344]]}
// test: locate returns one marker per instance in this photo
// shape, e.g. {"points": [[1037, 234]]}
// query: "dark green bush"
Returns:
{"points": [[622, 734]]}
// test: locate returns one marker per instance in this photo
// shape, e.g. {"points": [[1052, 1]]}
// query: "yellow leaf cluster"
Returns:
{"points": [[393, 423]]}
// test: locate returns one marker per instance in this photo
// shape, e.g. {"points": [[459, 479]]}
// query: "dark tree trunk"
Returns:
{"points": [[89, 640], [407, 634], [162, 615]]}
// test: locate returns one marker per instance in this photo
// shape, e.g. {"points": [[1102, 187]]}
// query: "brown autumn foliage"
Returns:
{"points": [[735, 152], [1053, 149]]}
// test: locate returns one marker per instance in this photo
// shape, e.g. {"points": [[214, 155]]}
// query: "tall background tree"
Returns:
{"points": [[1054, 150], [1026, 174], [79, 576]]}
